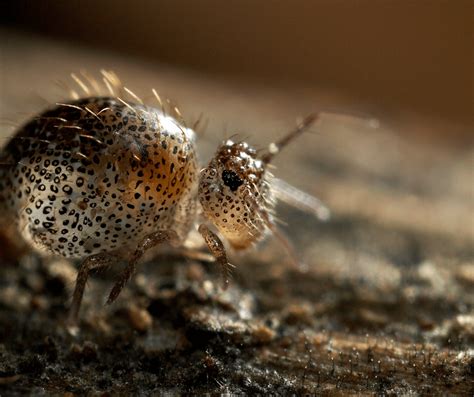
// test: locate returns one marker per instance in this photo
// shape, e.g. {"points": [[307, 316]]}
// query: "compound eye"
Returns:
{"points": [[231, 179]]}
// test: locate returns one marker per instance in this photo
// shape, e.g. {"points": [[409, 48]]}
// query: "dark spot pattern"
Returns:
{"points": [[85, 181], [235, 195]]}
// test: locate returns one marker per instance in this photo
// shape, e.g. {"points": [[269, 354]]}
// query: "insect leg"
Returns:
{"points": [[285, 241], [217, 249], [148, 242], [277, 232], [90, 263]]}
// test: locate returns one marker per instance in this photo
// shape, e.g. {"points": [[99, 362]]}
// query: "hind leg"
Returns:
{"points": [[148, 242], [90, 263]]}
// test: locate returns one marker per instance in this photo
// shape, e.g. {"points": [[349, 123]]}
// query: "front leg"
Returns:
{"points": [[276, 232], [217, 249], [286, 243], [148, 242]]}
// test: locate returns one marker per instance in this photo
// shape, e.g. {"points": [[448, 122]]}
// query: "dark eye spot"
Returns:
{"points": [[231, 179]]}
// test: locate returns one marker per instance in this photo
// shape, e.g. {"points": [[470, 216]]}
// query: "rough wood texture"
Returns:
{"points": [[385, 307]]}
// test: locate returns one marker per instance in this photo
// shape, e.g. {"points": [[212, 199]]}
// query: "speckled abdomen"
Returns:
{"points": [[98, 175]]}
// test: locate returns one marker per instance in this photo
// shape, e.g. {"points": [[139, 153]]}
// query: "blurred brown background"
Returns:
{"points": [[388, 58]]}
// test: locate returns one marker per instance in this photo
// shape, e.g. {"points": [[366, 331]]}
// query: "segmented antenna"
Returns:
{"points": [[275, 147]]}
